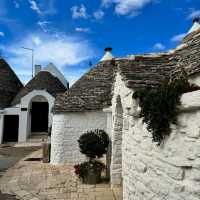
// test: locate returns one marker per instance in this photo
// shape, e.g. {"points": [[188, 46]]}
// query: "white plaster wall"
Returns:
{"points": [[117, 159], [25, 117], [171, 171], [1, 127], [108, 112], [12, 111], [66, 130]]}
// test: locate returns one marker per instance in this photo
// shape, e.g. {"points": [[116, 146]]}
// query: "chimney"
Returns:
{"points": [[108, 55], [37, 69]]}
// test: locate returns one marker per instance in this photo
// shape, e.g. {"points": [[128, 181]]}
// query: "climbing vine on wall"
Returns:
{"points": [[159, 106]]}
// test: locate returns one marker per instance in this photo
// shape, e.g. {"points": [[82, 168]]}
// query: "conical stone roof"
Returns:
{"points": [[93, 91], [10, 84], [42, 81]]}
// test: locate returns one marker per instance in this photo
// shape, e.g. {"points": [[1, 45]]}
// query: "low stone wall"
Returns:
{"points": [[66, 130]]}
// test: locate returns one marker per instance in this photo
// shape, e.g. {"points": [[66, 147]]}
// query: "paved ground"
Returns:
{"points": [[10, 155], [33, 180]]}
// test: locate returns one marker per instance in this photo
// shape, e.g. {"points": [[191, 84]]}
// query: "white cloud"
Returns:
{"points": [[2, 34], [36, 40], [98, 15], [178, 38], [79, 12], [159, 46], [45, 7], [127, 7], [193, 14], [84, 30], [62, 50], [43, 25], [34, 6]]}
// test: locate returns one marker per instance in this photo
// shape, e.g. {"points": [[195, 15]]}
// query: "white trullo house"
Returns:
{"points": [[102, 99], [27, 110]]}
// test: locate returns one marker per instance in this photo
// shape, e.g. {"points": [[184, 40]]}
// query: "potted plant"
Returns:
{"points": [[93, 144]]}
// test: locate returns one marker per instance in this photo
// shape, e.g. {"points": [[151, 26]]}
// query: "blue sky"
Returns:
{"points": [[70, 33]]}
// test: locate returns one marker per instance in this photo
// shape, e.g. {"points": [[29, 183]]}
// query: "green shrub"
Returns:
{"points": [[94, 143], [159, 106], [82, 169]]}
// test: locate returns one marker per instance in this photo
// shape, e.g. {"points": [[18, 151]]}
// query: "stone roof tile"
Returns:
{"points": [[94, 90], [42, 81], [10, 84], [91, 92]]}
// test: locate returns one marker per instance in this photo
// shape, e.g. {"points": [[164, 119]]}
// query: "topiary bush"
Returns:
{"points": [[94, 144]]}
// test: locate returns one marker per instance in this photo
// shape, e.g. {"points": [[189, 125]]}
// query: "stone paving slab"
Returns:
{"points": [[34, 180]]}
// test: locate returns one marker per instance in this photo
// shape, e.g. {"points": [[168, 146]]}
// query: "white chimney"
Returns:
{"points": [[37, 69], [108, 55], [196, 25]]}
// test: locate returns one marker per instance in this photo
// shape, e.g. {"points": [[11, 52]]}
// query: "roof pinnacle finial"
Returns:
{"points": [[108, 49], [108, 55], [195, 20], [195, 26]]}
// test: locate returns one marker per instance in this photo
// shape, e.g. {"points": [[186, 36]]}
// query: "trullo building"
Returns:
{"points": [[102, 99], [27, 110]]}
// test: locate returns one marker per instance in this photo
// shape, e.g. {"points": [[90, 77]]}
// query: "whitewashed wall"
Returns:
{"points": [[122, 103], [25, 116], [171, 171], [1, 127], [66, 130]]}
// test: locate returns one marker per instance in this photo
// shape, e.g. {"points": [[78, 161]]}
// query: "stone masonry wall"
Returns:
{"points": [[119, 106], [171, 171], [116, 156], [66, 130]]}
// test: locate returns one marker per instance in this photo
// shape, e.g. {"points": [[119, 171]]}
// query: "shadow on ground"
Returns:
{"points": [[7, 197], [9, 156]]}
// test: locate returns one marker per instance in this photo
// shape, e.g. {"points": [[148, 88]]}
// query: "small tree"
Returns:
{"points": [[94, 143]]}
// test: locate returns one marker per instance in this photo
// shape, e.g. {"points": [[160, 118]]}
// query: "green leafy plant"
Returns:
{"points": [[159, 106], [94, 143], [81, 170]]}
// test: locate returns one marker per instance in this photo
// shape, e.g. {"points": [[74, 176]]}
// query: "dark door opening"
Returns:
{"points": [[39, 117], [11, 128]]}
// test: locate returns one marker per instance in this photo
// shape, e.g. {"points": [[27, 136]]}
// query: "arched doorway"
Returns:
{"points": [[39, 114], [116, 163]]}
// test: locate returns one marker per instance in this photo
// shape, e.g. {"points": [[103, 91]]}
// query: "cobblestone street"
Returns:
{"points": [[33, 180]]}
